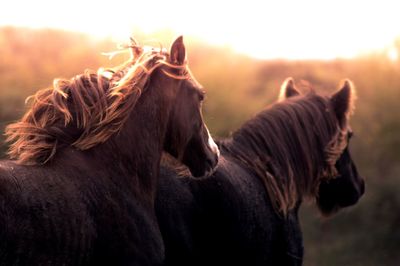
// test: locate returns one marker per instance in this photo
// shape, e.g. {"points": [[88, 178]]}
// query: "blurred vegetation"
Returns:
{"points": [[237, 87]]}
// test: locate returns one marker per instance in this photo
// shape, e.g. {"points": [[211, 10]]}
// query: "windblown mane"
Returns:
{"points": [[288, 145], [83, 111]]}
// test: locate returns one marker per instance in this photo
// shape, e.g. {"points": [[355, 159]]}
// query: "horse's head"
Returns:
{"points": [[345, 189], [187, 136], [347, 186], [344, 186]]}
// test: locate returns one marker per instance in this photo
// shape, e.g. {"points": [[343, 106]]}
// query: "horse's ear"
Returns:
{"points": [[343, 102], [288, 89], [178, 52]]}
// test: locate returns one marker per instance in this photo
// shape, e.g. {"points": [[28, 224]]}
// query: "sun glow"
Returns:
{"points": [[393, 54], [283, 29]]}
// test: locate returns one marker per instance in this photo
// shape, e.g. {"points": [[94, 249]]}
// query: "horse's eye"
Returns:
{"points": [[202, 95]]}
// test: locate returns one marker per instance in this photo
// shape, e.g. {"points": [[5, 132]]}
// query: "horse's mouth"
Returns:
{"points": [[209, 168]]}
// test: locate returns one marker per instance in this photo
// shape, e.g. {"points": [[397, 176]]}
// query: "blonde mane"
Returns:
{"points": [[84, 111]]}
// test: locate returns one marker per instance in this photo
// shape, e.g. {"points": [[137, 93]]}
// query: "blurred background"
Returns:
{"points": [[241, 52]]}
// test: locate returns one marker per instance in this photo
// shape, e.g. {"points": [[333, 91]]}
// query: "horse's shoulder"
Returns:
{"points": [[7, 165], [8, 171], [238, 183]]}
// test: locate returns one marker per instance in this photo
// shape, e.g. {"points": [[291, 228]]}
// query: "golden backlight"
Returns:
{"points": [[310, 29]]}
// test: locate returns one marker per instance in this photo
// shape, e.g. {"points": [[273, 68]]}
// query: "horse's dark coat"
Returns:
{"points": [[74, 214], [226, 219], [229, 219]]}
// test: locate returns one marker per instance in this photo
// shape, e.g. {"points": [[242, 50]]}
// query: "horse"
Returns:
{"points": [[246, 212], [80, 185]]}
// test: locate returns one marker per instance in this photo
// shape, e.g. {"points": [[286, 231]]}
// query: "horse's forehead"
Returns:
{"points": [[193, 81]]}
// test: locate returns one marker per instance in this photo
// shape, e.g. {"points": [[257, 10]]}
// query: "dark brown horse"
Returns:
{"points": [[246, 213], [82, 188]]}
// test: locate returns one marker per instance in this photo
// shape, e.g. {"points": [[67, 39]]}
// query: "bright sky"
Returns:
{"points": [[263, 29]]}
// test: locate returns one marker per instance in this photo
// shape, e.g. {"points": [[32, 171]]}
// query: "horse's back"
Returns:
{"points": [[43, 220], [72, 214]]}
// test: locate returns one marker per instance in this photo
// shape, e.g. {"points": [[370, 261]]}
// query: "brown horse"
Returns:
{"points": [[82, 188], [246, 213]]}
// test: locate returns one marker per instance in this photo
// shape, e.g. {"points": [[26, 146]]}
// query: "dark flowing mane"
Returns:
{"points": [[83, 111], [288, 144]]}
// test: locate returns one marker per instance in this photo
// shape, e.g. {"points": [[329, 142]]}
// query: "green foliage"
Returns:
{"points": [[237, 88]]}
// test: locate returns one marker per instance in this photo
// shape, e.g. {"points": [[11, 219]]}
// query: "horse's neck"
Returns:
{"points": [[249, 153], [272, 155], [135, 152]]}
